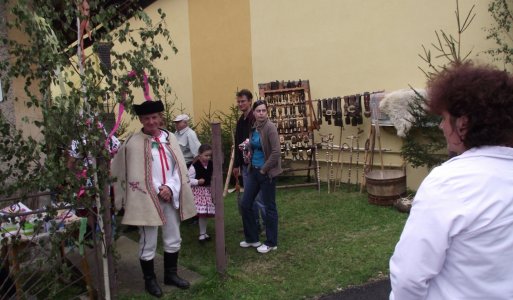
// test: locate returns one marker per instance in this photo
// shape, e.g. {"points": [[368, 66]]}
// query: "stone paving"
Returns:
{"points": [[129, 277]]}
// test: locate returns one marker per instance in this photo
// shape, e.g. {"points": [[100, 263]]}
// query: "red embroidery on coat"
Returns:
{"points": [[149, 179], [134, 186]]}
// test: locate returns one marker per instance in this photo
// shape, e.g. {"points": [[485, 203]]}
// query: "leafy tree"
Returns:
{"points": [[500, 32], [88, 89], [424, 142]]}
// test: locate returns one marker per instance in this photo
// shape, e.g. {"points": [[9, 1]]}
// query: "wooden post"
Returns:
{"points": [[217, 195], [107, 228]]}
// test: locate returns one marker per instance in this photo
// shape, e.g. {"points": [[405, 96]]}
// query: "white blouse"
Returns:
{"points": [[458, 240], [172, 175]]}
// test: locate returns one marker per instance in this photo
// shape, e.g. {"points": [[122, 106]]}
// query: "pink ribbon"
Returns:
{"points": [[84, 26], [121, 109], [82, 174]]}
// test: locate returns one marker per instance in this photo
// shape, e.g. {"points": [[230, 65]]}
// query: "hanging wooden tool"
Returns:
{"points": [[291, 109], [378, 134], [331, 170], [318, 169], [350, 162], [230, 169], [324, 142], [375, 98], [230, 166], [364, 168], [367, 166], [359, 132], [338, 179]]}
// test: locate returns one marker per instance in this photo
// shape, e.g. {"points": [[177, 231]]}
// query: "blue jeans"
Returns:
{"points": [[258, 206], [267, 187]]}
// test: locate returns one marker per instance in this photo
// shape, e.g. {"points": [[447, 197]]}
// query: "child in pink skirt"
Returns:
{"points": [[200, 174]]}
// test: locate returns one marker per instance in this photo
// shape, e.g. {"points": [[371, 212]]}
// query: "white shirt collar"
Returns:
{"points": [[183, 130], [493, 151]]}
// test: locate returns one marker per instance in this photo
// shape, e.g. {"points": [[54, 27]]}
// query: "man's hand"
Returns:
{"points": [[201, 181], [236, 172], [165, 193]]}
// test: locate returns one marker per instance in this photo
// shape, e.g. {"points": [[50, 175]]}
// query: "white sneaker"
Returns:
{"points": [[264, 248], [244, 244], [204, 237]]}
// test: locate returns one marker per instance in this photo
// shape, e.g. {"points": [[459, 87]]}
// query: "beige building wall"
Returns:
{"points": [[351, 46], [342, 46], [220, 52], [177, 69], [213, 59], [214, 55]]}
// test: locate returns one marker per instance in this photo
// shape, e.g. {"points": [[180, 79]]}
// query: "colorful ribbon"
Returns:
{"points": [[84, 10], [121, 109], [163, 159], [83, 174]]}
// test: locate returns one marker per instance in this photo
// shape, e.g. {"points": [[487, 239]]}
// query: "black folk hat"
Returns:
{"points": [[148, 107]]}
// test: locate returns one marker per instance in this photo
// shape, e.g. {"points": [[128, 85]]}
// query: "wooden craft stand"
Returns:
{"points": [[290, 108], [10, 253]]}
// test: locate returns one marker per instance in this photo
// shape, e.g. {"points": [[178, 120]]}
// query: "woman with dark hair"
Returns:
{"points": [[264, 163], [458, 240], [481, 98]]}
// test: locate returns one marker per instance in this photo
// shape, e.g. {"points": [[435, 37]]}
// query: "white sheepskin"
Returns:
{"points": [[396, 105]]}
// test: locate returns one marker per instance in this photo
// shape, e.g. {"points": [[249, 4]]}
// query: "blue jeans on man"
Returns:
{"points": [[258, 183], [258, 206]]}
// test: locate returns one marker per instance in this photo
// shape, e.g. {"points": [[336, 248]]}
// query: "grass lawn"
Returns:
{"points": [[325, 242]]}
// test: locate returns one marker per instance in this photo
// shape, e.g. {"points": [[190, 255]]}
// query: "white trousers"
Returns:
{"points": [[148, 235]]}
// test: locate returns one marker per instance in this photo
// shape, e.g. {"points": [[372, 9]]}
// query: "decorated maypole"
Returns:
{"points": [[106, 244]]}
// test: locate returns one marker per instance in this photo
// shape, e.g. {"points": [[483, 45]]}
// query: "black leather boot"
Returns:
{"points": [[150, 280], [170, 271]]}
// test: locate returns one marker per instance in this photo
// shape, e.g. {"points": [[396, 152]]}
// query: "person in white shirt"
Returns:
{"points": [[458, 240], [187, 138]]}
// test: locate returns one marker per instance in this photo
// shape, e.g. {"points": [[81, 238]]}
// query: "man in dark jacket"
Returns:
{"points": [[244, 125]]}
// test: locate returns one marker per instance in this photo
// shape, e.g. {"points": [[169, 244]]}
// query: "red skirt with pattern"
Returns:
{"points": [[203, 200]]}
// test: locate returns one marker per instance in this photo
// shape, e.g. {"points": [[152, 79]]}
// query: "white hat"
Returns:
{"points": [[183, 117]]}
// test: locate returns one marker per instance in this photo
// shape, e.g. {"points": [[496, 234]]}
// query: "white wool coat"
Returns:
{"points": [[134, 189]]}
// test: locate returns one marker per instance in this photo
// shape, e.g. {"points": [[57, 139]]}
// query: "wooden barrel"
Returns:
{"points": [[385, 187]]}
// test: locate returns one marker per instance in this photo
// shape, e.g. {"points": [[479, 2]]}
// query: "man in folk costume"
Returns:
{"points": [[153, 189]]}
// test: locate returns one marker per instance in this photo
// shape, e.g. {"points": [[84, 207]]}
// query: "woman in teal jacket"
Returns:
{"points": [[264, 161]]}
